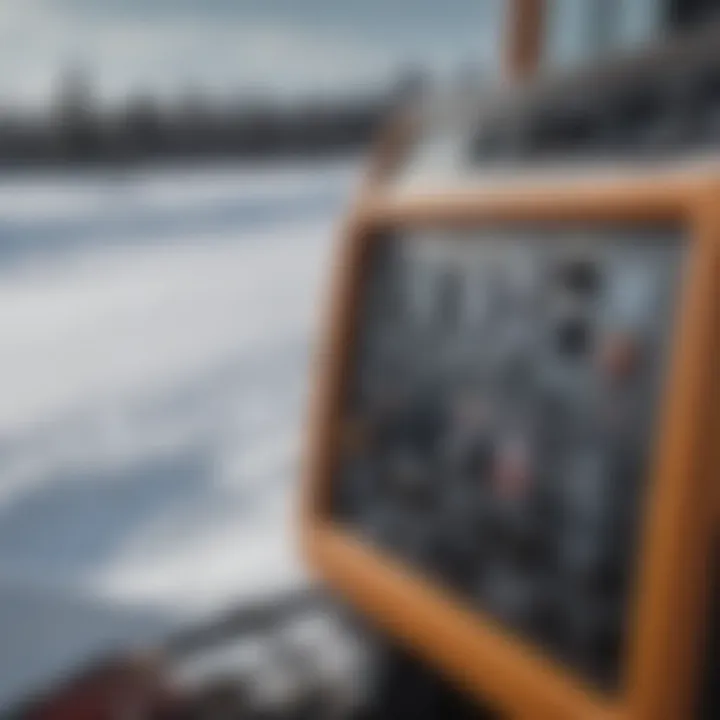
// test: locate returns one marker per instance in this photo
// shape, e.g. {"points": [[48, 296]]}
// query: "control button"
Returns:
{"points": [[469, 456], [522, 279], [620, 356], [547, 620], [471, 415], [573, 337], [423, 422], [592, 551], [407, 423], [416, 539], [581, 276], [456, 555], [557, 422], [586, 484], [514, 339], [523, 547], [516, 374], [477, 300], [457, 562], [467, 448], [408, 477], [508, 594], [512, 472], [449, 298]]}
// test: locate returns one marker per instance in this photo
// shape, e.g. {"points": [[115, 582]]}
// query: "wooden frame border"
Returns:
{"points": [[668, 610]]}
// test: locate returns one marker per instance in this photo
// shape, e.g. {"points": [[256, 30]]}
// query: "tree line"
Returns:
{"points": [[76, 131]]}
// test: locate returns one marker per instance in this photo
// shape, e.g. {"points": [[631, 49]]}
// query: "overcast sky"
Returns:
{"points": [[273, 46]]}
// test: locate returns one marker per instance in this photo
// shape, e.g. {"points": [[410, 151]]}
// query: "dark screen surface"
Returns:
{"points": [[500, 419]]}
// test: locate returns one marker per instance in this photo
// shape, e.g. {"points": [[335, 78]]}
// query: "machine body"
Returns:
{"points": [[513, 438]]}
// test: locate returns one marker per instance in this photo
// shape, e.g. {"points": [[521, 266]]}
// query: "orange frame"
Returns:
{"points": [[664, 648]]}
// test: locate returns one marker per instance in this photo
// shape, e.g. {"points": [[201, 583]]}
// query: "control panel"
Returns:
{"points": [[500, 415], [512, 457]]}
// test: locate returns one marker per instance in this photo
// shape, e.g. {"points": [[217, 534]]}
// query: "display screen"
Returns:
{"points": [[499, 419]]}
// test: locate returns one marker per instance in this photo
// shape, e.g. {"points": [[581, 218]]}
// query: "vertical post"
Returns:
{"points": [[524, 34]]}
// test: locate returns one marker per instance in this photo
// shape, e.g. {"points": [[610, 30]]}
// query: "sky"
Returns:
{"points": [[275, 47]]}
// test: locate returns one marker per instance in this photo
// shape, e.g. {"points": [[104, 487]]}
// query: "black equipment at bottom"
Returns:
{"points": [[300, 657]]}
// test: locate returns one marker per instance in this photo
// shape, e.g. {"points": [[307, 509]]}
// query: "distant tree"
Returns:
{"points": [[143, 126], [77, 121]]}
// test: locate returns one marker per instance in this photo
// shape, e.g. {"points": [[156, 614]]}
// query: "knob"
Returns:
{"points": [[456, 563], [408, 478], [620, 356], [512, 469], [468, 455], [508, 594], [548, 619], [417, 423], [573, 337], [581, 276]]}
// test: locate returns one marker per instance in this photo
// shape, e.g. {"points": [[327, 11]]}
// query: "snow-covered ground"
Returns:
{"points": [[155, 335]]}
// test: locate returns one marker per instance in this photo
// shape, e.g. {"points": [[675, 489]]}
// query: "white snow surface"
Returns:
{"points": [[157, 330]]}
